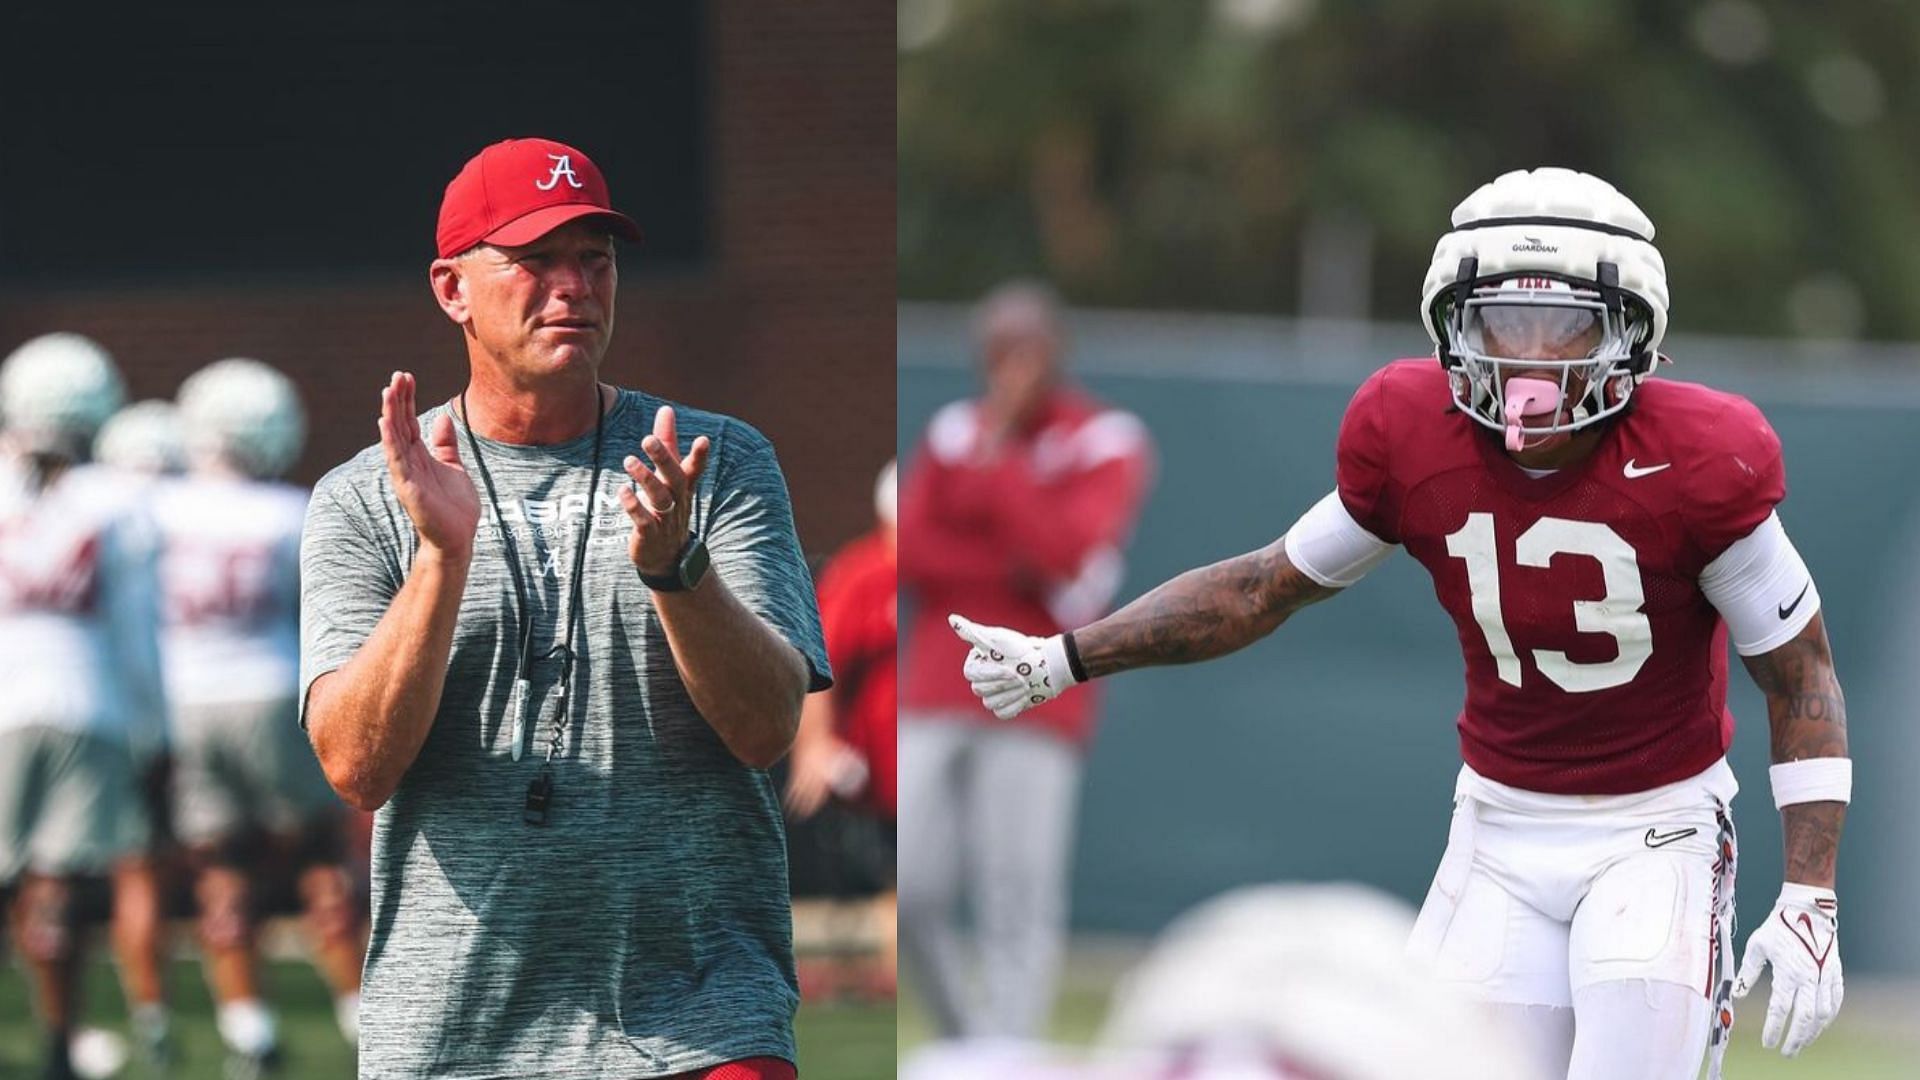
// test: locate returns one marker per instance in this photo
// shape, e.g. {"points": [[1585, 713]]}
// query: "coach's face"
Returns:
{"points": [[1020, 365], [536, 309]]}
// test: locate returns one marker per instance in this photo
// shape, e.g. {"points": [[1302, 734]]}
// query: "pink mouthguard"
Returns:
{"points": [[1528, 397]]}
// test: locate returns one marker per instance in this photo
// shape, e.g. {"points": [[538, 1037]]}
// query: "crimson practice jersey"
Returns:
{"points": [[1595, 664]]}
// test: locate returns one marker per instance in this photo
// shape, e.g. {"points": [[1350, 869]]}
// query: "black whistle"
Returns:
{"points": [[539, 795]]}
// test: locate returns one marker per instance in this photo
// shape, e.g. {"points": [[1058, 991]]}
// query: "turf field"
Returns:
{"points": [[836, 1043], [1877, 1036]]}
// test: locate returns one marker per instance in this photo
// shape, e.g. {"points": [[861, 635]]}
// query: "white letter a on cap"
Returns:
{"points": [[563, 166]]}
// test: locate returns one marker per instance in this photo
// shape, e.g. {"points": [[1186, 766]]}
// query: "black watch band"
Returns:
{"points": [[688, 569]]}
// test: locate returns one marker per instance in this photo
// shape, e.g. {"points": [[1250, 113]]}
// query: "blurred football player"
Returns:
{"points": [[81, 718], [142, 441], [247, 791], [1015, 508], [1597, 536], [134, 448]]}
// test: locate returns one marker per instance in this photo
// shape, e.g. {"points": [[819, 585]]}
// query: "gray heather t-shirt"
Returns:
{"points": [[645, 930]]}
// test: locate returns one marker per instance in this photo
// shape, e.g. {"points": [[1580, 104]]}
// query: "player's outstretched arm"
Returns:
{"points": [[1812, 781], [1199, 615]]}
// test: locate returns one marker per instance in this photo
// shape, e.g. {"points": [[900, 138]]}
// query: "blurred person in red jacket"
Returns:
{"points": [[844, 749], [1017, 504]]}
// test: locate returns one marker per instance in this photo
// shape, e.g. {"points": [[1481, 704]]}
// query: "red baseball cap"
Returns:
{"points": [[518, 190]]}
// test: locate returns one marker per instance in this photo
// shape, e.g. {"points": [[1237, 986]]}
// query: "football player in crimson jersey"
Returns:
{"points": [[1597, 536]]}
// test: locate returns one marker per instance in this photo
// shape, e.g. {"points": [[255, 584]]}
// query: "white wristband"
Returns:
{"points": [[1821, 779], [1813, 896], [1054, 650]]}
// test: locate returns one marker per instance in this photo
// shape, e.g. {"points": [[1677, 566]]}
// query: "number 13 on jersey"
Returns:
{"points": [[1617, 614]]}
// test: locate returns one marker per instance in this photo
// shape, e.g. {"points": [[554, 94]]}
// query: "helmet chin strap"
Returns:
{"points": [[1525, 398]]}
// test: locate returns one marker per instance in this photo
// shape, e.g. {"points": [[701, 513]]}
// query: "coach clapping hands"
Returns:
{"points": [[428, 478], [552, 724], [658, 502]]}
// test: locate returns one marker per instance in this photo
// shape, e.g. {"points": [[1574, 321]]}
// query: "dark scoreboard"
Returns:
{"points": [[224, 141]]}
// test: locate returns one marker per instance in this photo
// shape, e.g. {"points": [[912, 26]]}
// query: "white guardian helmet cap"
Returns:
{"points": [[244, 413], [55, 392], [1553, 273], [886, 493], [144, 437], [1301, 976]]}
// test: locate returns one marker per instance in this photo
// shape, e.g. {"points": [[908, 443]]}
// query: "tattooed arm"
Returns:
{"points": [[1809, 720], [1197, 616], [1800, 938], [1201, 614]]}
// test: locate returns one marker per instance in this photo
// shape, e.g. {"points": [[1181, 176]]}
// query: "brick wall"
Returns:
{"points": [[790, 325]]}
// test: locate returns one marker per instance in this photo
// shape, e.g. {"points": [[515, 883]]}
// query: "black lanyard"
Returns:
{"points": [[540, 791]]}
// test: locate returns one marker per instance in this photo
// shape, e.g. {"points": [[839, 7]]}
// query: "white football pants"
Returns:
{"points": [[987, 811], [1600, 927]]}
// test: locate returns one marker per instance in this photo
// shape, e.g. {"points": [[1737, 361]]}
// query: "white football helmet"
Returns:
{"points": [[245, 413], [144, 437], [886, 494], [55, 392], [1276, 981], [1553, 273]]}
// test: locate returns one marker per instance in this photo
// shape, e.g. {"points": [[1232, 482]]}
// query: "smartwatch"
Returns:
{"points": [[688, 570]]}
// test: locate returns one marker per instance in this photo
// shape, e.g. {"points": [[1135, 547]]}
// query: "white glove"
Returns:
{"points": [[1011, 671], [1801, 940]]}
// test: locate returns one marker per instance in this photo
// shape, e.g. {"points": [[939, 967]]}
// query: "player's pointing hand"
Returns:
{"points": [[428, 478], [1011, 671]]}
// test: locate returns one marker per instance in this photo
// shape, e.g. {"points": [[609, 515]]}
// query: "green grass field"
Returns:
{"points": [[1877, 1036], [836, 1043]]}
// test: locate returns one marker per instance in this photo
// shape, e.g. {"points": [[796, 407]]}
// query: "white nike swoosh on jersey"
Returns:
{"points": [[1636, 473]]}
